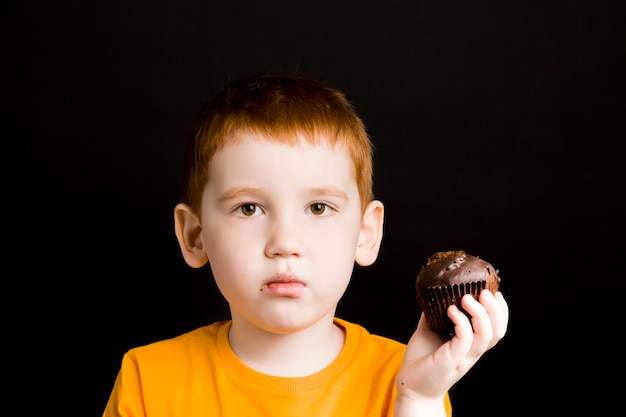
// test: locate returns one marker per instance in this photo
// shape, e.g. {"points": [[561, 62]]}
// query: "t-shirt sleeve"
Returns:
{"points": [[126, 399]]}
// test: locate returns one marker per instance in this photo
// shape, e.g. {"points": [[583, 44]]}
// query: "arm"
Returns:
{"points": [[432, 365]]}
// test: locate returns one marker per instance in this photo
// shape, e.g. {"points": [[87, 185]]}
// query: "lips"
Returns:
{"points": [[284, 285]]}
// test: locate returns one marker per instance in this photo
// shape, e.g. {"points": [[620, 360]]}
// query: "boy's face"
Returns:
{"points": [[280, 227]]}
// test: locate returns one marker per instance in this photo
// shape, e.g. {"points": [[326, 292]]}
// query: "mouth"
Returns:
{"points": [[283, 285]]}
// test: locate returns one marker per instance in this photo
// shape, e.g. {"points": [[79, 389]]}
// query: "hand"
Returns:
{"points": [[433, 364]]}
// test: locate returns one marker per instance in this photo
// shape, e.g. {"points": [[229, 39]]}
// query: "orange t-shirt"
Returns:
{"points": [[197, 375]]}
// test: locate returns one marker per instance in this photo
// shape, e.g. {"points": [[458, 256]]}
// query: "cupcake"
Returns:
{"points": [[443, 281]]}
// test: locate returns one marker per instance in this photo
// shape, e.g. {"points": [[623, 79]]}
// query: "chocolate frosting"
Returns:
{"points": [[456, 267]]}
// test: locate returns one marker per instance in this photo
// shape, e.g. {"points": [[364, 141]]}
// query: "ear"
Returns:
{"points": [[371, 234], [188, 230]]}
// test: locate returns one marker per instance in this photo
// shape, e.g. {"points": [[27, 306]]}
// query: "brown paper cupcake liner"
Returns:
{"points": [[436, 300]]}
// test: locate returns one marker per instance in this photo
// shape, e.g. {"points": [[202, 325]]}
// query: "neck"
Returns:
{"points": [[300, 353]]}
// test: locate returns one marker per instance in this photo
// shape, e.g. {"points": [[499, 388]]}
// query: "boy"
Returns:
{"points": [[278, 201]]}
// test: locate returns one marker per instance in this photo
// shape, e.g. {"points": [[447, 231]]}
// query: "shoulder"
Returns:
{"points": [[373, 343], [190, 344]]}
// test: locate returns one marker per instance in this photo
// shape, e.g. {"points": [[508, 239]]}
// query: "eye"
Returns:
{"points": [[248, 209], [318, 208]]}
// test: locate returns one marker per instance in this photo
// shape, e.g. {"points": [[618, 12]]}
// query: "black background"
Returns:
{"points": [[498, 130]]}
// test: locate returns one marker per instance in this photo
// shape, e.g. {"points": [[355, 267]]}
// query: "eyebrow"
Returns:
{"points": [[236, 192], [330, 191], [325, 191]]}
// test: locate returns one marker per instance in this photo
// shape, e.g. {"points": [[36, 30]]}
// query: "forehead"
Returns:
{"points": [[254, 154]]}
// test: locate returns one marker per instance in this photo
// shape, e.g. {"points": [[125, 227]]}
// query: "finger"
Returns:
{"points": [[461, 342], [498, 311], [481, 323]]}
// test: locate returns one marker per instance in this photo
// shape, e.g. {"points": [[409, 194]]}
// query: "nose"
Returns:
{"points": [[284, 237]]}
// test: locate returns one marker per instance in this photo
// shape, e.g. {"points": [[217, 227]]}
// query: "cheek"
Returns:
{"points": [[338, 239], [227, 254], [235, 273], [335, 257], [224, 240]]}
